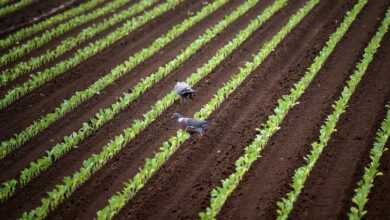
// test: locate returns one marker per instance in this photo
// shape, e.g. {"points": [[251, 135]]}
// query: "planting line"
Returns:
{"points": [[105, 115], [35, 28], [329, 127], [14, 7], [84, 53], [371, 171], [252, 152], [72, 42], [169, 147], [97, 161], [40, 40]]}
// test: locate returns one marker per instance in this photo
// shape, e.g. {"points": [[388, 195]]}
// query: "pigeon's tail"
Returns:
{"points": [[188, 93]]}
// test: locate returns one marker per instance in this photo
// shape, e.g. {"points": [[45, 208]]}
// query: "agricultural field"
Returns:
{"points": [[296, 95]]}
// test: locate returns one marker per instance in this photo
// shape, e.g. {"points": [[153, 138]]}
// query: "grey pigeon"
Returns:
{"points": [[191, 124], [184, 90]]}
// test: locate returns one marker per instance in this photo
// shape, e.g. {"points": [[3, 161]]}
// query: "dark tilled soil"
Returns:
{"points": [[181, 188]]}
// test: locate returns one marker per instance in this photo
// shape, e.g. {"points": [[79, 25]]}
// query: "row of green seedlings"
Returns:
{"points": [[72, 42], [82, 54], [105, 115], [169, 147], [14, 7], [26, 32], [40, 40], [79, 97], [97, 161], [252, 152], [329, 127], [364, 186]]}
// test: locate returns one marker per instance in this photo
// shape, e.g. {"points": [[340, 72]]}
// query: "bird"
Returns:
{"points": [[184, 90], [191, 124]]}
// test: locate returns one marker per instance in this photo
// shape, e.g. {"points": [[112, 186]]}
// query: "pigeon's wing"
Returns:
{"points": [[185, 91], [183, 88], [196, 123]]}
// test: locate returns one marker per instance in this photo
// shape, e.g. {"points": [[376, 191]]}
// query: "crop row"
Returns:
{"points": [[253, 151], [40, 40], [72, 42], [84, 53], [364, 186], [14, 7], [23, 33], [96, 161], [329, 127], [105, 115]]}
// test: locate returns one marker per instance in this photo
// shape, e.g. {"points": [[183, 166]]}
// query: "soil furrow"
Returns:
{"points": [[330, 187], [44, 99], [180, 190]]}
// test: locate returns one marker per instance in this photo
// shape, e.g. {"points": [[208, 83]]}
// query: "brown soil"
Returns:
{"points": [[181, 188]]}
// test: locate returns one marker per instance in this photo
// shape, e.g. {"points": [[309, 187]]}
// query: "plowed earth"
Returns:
{"points": [[181, 188]]}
